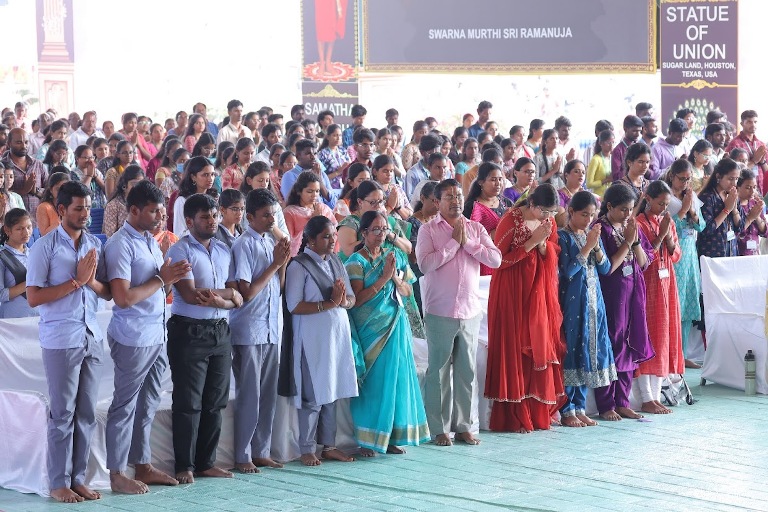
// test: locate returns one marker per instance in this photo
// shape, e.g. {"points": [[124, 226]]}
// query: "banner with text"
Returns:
{"points": [[329, 54], [550, 36], [338, 98], [699, 58]]}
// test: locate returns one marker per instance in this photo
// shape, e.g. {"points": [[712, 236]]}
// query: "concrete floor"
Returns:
{"points": [[707, 457]]}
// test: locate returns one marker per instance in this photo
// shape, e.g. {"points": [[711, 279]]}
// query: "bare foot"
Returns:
{"points": [[395, 450], [586, 420], [247, 468], [572, 421], [443, 440], [626, 412], [653, 407], [610, 415], [310, 459], [121, 483], [666, 410], [185, 477], [214, 472], [553, 422], [265, 462], [336, 454], [367, 452], [468, 438], [65, 495], [692, 364], [150, 475], [86, 492], [523, 431]]}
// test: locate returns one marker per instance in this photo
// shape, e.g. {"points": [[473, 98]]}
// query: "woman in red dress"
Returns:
{"points": [[662, 304], [524, 377]]}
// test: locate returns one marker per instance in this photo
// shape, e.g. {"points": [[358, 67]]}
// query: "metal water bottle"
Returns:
{"points": [[750, 369]]}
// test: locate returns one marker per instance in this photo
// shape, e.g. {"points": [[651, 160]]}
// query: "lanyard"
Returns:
{"points": [[661, 243]]}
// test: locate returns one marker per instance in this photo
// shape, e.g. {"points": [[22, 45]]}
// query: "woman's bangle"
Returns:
{"points": [[162, 283], [320, 307], [635, 244], [375, 291], [75, 284], [338, 305]]}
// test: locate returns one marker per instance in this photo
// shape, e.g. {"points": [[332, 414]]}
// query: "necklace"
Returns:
{"points": [[370, 254]]}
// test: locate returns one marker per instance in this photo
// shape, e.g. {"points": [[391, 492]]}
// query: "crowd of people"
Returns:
{"points": [[304, 257]]}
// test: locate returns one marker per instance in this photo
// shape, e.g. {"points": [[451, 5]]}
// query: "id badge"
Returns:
{"points": [[663, 273], [688, 233], [627, 270], [752, 244], [730, 235]]}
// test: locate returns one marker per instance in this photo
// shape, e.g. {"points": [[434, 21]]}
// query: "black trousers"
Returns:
{"points": [[200, 356]]}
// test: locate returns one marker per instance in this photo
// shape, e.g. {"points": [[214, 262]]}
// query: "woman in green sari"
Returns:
{"points": [[389, 411], [369, 197]]}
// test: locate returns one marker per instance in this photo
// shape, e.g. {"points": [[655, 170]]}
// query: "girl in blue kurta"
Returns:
{"points": [[685, 209], [588, 362]]}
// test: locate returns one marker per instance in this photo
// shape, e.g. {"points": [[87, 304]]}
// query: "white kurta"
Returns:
{"points": [[324, 337]]}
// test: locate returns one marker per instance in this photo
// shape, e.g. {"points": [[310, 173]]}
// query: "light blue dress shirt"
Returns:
{"points": [[414, 176], [18, 307], [53, 261], [210, 269], [136, 257], [257, 321]]}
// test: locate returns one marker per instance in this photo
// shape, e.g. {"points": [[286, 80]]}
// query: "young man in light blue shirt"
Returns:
{"points": [[199, 350], [306, 156], [139, 281], [65, 279], [257, 269]]}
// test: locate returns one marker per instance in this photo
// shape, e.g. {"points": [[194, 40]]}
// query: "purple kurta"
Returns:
{"points": [[625, 304]]}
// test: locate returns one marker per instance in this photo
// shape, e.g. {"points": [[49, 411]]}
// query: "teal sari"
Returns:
{"points": [[389, 409], [402, 229]]}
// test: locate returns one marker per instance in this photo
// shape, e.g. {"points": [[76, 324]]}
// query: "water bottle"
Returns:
{"points": [[750, 369]]}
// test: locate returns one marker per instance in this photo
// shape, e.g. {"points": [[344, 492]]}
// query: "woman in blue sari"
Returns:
{"points": [[389, 412]]}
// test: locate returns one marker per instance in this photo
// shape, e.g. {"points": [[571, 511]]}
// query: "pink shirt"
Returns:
{"points": [[452, 272]]}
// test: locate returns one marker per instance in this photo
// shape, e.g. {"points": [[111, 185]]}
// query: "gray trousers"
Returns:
{"points": [[138, 375], [450, 340], [317, 423], [255, 368], [73, 384]]}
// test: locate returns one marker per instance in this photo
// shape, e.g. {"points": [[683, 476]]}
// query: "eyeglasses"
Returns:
{"points": [[374, 202], [368, 146], [684, 180], [529, 173], [546, 213], [378, 231], [235, 209]]}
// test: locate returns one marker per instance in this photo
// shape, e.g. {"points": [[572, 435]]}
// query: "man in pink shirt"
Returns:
{"points": [[449, 251]]}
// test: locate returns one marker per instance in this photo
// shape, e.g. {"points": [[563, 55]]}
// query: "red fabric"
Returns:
{"points": [[662, 305], [169, 209], [489, 220], [524, 321], [328, 24]]}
